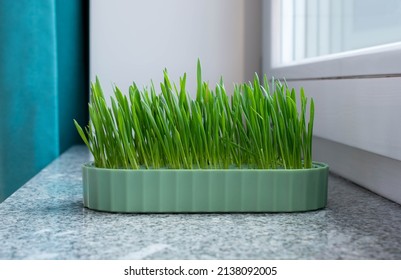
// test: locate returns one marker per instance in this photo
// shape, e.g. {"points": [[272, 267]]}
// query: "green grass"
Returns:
{"points": [[259, 126]]}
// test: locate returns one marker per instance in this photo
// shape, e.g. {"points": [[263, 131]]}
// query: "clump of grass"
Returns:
{"points": [[258, 126]]}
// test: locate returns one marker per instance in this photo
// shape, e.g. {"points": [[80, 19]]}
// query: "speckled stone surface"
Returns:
{"points": [[46, 219]]}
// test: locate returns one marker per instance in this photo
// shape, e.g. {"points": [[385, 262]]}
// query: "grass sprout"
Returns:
{"points": [[260, 125]]}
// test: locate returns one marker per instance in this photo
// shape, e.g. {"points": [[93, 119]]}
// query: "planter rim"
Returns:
{"points": [[316, 167]]}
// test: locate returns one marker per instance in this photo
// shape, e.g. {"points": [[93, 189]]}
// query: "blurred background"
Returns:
{"points": [[345, 53]]}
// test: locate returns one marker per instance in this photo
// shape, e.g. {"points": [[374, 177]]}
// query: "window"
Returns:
{"points": [[312, 28], [347, 56]]}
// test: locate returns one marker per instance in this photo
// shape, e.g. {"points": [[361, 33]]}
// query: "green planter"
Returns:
{"points": [[205, 190]]}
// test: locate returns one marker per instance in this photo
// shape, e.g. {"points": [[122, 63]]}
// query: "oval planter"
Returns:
{"points": [[205, 190]]}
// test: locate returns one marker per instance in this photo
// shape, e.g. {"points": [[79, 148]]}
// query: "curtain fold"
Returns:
{"points": [[43, 84]]}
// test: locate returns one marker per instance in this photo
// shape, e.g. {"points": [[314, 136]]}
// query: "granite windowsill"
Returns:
{"points": [[46, 219]]}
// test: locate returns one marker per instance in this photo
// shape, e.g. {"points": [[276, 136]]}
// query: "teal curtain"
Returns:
{"points": [[43, 84]]}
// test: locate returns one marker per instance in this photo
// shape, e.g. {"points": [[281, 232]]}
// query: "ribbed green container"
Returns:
{"points": [[205, 190]]}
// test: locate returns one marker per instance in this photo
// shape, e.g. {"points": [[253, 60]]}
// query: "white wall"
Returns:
{"points": [[134, 40]]}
